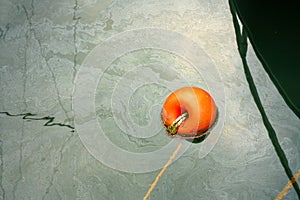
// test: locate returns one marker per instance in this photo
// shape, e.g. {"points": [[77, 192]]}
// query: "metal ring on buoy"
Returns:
{"points": [[189, 112]]}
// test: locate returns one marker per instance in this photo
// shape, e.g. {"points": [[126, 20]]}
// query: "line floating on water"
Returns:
{"points": [[288, 186], [163, 170]]}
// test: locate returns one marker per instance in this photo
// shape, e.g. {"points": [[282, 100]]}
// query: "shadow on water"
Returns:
{"points": [[199, 139], [241, 39]]}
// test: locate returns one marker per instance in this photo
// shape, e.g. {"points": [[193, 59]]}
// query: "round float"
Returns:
{"points": [[189, 112]]}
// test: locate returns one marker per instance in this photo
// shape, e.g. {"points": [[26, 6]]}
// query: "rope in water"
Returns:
{"points": [[163, 170], [288, 186], [280, 196]]}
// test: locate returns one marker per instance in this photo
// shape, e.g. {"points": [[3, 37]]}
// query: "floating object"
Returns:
{"points": [[189, 112]]}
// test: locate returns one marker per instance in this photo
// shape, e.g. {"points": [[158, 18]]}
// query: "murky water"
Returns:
{"points": [[94, 75]]}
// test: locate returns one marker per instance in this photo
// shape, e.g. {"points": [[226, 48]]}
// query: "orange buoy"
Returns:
{"points": [[188, 112]]}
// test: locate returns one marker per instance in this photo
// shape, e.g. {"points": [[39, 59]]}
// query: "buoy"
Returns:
{"points": [[189, 112]]}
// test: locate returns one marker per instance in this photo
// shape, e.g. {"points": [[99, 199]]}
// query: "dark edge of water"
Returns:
{"points": [[241, 39]]}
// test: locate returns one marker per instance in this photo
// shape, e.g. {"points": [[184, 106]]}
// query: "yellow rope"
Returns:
{"points": [[162, 171], [288, 186]]}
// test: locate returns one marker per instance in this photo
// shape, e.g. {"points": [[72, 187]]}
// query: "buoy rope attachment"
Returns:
{"points": [[172, 129]]}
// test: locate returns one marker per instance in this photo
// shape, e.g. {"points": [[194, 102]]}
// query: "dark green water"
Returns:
{"points": [[274, 29], [256, 32]]}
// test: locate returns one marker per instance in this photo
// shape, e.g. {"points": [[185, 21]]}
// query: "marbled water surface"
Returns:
{"points": [[43, 45]]}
